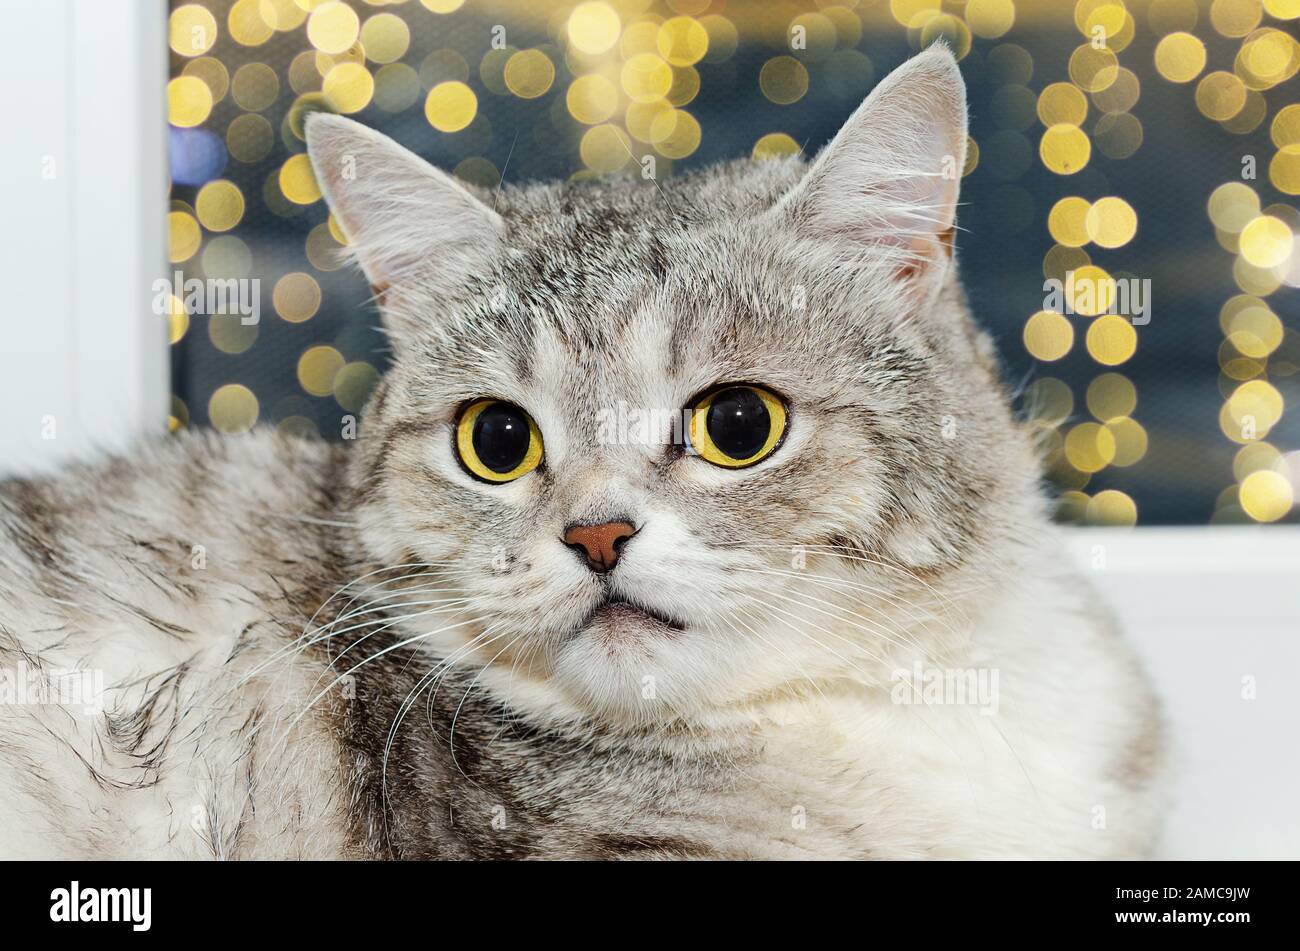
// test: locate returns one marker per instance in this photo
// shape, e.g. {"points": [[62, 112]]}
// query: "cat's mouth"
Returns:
{"points": [[619, 613]]}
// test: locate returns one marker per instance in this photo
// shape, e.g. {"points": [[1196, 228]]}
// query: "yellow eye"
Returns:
{"points": [[737, 426], [497, 441]]}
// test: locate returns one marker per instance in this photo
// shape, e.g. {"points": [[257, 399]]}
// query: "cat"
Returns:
{"points": [[691, 520]]}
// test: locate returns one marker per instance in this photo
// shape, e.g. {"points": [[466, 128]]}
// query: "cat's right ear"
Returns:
{"points": [[885, 188], [405, 219]]}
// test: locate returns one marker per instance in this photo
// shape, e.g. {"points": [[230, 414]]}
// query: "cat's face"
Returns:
{"points": [[674, 445]]}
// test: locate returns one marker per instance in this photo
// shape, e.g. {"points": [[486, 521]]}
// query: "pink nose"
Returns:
{"points": [[600, 544]]}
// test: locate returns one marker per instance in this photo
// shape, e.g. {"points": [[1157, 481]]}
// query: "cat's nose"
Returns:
{"points": [[599, 545]]}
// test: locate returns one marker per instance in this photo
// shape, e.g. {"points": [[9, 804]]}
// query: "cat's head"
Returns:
{"points": [[675, 444]]}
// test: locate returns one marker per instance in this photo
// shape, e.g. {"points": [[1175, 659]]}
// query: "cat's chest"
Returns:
{"points": [[868, 777]]}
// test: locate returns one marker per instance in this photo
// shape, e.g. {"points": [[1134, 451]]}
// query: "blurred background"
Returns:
{"points": [[1157, 141]]}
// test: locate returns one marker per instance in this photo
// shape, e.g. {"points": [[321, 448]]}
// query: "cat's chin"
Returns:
{"points": [[632, 664], [620, 620]]}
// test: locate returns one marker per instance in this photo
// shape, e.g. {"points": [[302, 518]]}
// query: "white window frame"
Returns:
{"points": [[83, 181]]}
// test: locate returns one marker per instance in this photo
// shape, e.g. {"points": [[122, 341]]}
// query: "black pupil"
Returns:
{"points": [[501, 437], [738, 422]]}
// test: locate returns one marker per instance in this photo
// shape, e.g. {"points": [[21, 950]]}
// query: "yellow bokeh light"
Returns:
{"points": [[246, 25], [255, 86], [1048, 336], [593, 27], [1062, 103], [230, 334], [1235, 18], [296, 297], [1100, 20], [1180, 57], [529, 73], [1255, 457], [1284, 170], [233, 409], [1111, 507], [385, 38], [183, 236], [1267, 58], [640, 37], [1089, 447], [1060, 260], [1110, 396], [685, 87], [990, 19], [250, 138], [353, 384], [640, 120], [1067, 221], [1091, 290], [284, 15], [774, 145], [192, 30], [397, 87], [591, 99], [1266, 496], [913, 12], [949, 29], [682, 41], [1093, 69], [724, 38], [298, 181], [348, 88], [1232, 206], [211, 71], [816, 34], [439, 6], [646, 77], [450, 106], [178, 320], [1283, 9], [220, 205], [1254, 408], [1130, 440], [783, 80], [1266, 242], [1111, 340], [1121, 95], [1064, 149], [317, 367], [1220, 95], [604, 148], [1111, 222], [1285, 128], [333, 27], [189, 101], [675, 133], [1253, 330]]}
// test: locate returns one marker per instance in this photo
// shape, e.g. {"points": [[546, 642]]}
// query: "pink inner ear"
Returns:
{"points": [[926, 251]]}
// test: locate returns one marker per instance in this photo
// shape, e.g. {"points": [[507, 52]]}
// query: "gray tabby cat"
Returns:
{"points": [[533, 613]]}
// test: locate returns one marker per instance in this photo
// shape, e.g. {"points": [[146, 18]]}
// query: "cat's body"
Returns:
{"points": [[364, 651]]}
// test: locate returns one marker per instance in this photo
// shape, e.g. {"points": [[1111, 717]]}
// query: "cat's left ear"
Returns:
{"points": [[885, 188], [405, 219]]}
